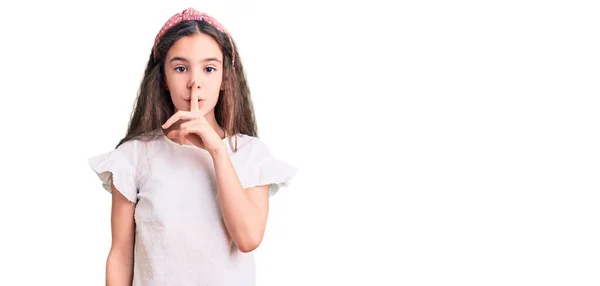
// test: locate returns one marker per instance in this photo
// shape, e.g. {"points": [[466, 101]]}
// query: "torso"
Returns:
{"points": [[180, 235]]}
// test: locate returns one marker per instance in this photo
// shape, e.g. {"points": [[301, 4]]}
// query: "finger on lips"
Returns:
{"points": [[194, 98], [179, 115]]}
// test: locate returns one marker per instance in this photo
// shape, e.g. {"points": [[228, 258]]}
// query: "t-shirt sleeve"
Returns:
{"points": [[265, 169], [118, 167]]}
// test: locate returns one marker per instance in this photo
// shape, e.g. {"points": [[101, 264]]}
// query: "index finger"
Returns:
{"points": [[194, 98]]}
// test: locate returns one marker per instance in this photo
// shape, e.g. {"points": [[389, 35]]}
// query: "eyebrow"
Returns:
{"points": [[187, 61]]}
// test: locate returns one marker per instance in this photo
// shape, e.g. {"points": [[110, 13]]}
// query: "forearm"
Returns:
{"points": [[244, 220], [119, 268]]}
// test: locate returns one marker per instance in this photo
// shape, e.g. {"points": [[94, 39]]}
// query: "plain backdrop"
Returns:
{"points": [[438, 142]]}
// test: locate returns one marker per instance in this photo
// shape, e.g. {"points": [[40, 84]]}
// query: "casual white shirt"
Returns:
{"points": [[180, 234]]}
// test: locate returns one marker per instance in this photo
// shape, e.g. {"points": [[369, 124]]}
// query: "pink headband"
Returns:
{"points": [[192, 14]]}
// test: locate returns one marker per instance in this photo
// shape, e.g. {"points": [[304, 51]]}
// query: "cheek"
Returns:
{"points": [[213, 87], [176, 86], [171, 81]]}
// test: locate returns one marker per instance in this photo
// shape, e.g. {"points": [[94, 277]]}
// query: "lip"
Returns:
{"points": [[199, 102]]}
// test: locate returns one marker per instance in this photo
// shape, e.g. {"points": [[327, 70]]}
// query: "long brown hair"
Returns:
{"points": [[234, 111]]}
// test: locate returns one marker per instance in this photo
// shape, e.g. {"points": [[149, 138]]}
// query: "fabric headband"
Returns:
{"points": [[192, 14]]}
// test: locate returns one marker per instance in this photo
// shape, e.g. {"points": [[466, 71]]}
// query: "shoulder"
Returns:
{"points": [[119, 167], [256, 165], [130, 148], [127, 153]]}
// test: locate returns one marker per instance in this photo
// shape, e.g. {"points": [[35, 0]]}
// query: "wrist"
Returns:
{"points": [[221, 151]]}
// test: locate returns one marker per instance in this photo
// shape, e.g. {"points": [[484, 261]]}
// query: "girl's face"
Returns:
{"points": [[194, 64]]}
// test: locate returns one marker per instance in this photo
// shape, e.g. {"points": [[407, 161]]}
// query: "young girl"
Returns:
{"points": [[190, 182]]}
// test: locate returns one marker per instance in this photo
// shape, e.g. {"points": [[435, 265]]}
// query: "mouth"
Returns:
{"points": [[189, 102]]}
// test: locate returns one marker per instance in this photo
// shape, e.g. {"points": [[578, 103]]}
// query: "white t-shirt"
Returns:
{"points": [[181, 238]]}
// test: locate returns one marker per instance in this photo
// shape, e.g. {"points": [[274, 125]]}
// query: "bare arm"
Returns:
{"points": [[119, 264], [244, 210]]}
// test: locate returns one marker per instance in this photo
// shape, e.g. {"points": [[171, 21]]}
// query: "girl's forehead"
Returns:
{"points": [[196, 46]]}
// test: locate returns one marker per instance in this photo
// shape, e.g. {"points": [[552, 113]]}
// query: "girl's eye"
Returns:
{"points": [[180, 69], [210, 69]]}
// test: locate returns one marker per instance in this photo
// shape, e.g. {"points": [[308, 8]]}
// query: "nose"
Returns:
{"points": [[195, 78], [195, 91], [194, 85]]}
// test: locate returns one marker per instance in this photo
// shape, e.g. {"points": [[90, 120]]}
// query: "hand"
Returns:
{"points": [[196, 129]]}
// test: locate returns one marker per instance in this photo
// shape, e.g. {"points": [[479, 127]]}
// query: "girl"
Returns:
{"points": [[190, 182]]}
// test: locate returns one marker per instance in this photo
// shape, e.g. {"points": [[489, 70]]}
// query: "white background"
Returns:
{"points": [[437, 143]]}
